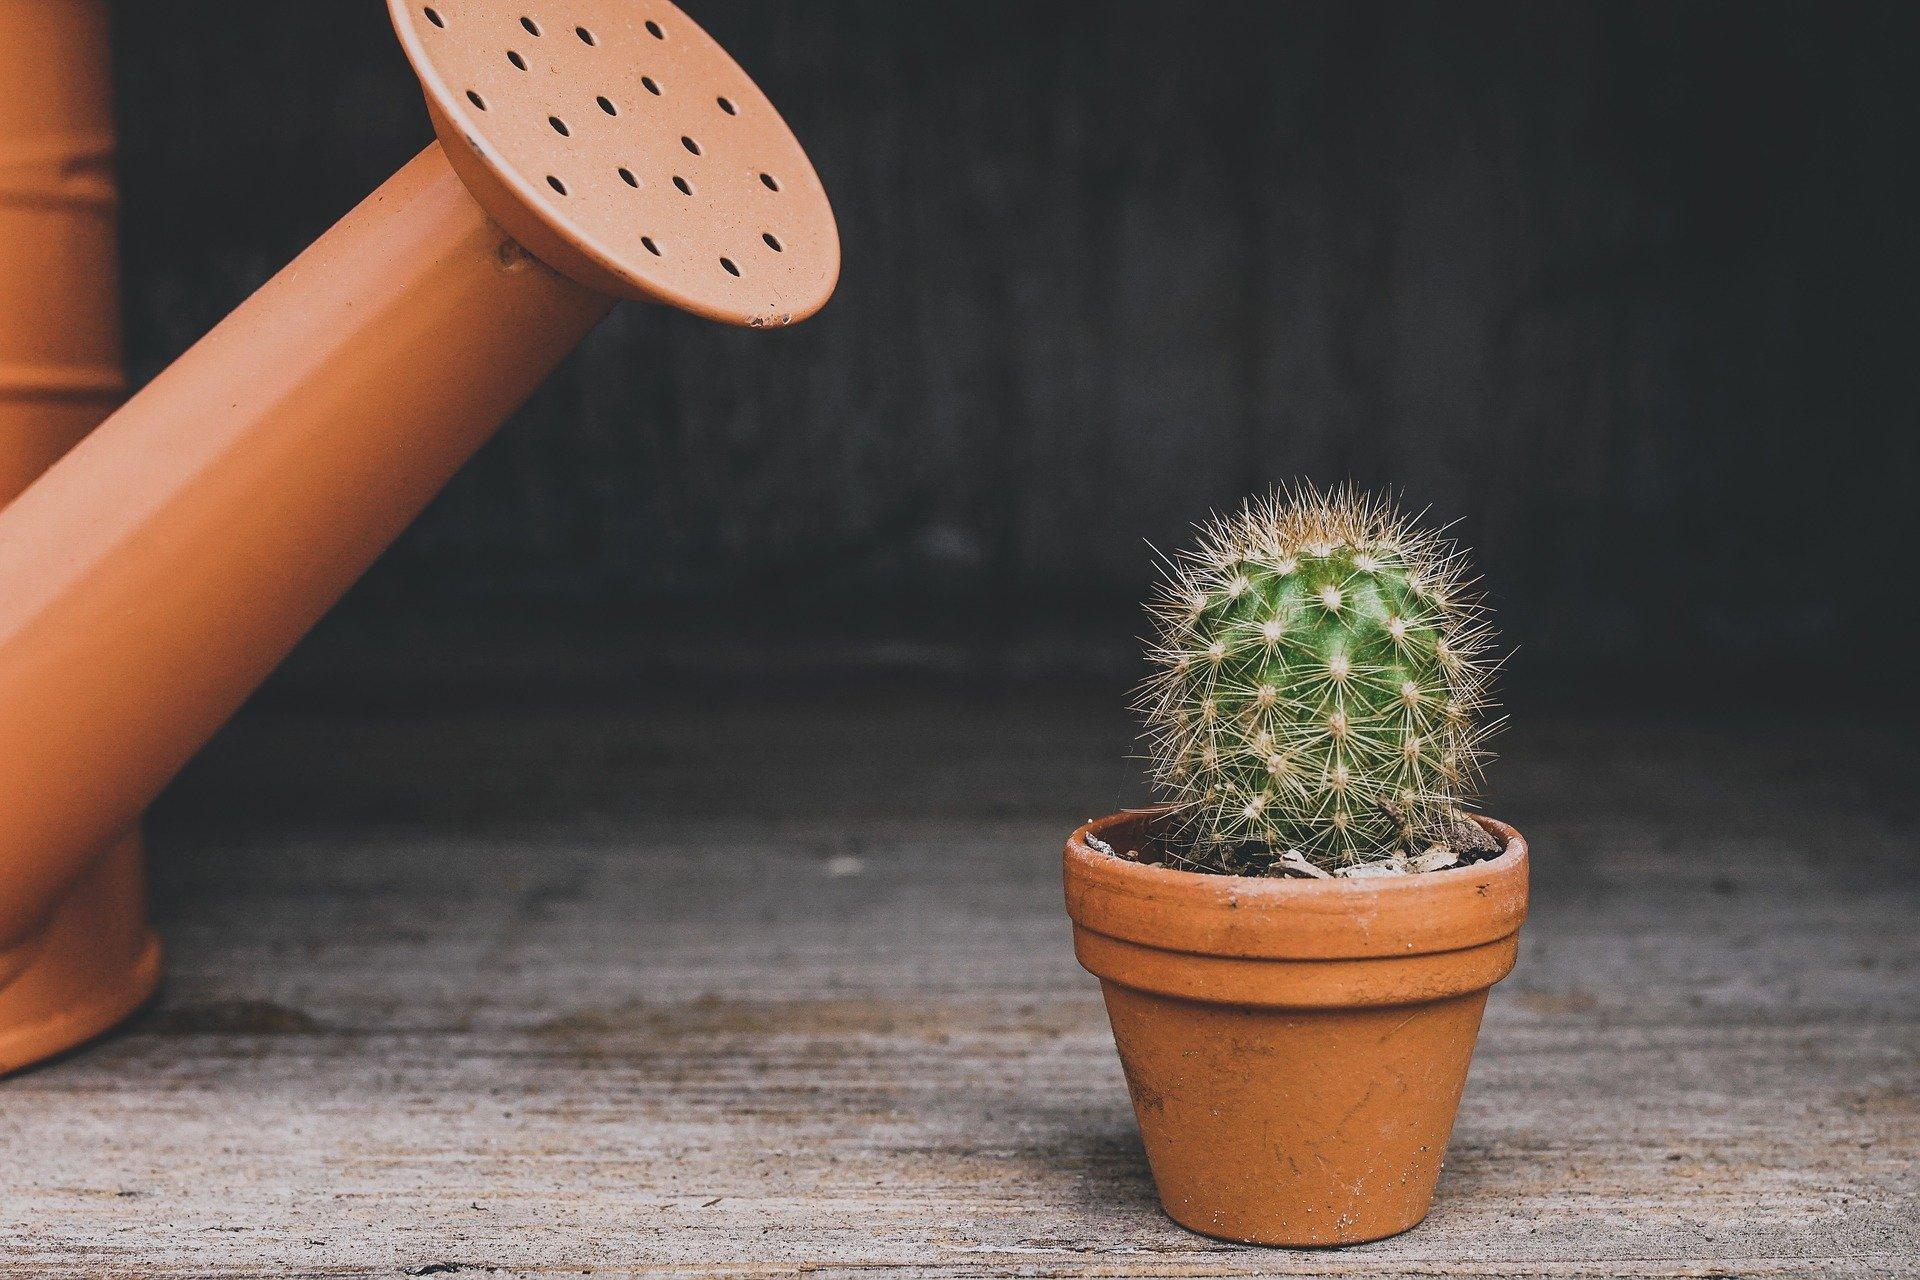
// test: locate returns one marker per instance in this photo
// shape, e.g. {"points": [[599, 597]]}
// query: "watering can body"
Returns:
{"points": [[91, 958], [60, 369]]}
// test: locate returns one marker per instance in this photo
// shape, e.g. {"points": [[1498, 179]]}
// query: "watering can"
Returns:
{"points": [[588, 151]]}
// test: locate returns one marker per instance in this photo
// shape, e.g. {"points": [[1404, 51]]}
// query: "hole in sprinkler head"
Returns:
{"points": [[651, 86], [476, 100], [653, 29], [626, 176], [680, 182], [773, 241], [726, 105], [690, 144], [433, 16], [606, 105], [771, 185], [516, 59], [533, 28], [651, 247], [728, 264], [585, 35], [556, 184], [560, 126]]}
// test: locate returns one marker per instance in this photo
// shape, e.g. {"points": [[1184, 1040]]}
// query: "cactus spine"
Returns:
{"points": [[1319, 677]]}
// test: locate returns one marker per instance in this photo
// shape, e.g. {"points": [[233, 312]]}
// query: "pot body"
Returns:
{"points": [[1295, 1049]]}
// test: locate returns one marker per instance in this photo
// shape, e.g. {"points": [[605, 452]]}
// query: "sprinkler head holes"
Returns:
{"points": [[622, 146]]}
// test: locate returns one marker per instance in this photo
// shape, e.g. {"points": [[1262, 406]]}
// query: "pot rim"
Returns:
{"points": [[1275, 918]]}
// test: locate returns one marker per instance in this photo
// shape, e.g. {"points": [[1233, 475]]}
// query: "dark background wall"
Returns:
{"points": [[1626, 289]]}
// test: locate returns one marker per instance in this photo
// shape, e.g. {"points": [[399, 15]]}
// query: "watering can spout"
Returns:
{"points": [[152, 578]]}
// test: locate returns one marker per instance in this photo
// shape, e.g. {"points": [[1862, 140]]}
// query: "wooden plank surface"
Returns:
{"points": [[781, 989]]}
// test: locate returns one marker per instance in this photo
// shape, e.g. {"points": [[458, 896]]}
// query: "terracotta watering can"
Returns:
{"points": [[588, 150]]}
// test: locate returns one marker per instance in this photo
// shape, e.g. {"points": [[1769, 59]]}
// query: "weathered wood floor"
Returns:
{"points": [[787, 990]]}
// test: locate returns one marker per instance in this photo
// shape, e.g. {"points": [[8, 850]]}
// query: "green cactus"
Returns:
{"points": [[1319, 681]]}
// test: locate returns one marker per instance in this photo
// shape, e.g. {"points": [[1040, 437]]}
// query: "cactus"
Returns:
{"points": [[1320, 670]]}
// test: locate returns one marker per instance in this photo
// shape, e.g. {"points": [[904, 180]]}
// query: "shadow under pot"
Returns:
{"points": [[1296, 1049]]}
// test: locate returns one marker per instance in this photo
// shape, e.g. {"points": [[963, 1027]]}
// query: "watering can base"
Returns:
{"points": [[96, 962]]}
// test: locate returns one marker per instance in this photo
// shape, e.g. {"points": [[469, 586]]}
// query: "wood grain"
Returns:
{"points": [[772, 989]]}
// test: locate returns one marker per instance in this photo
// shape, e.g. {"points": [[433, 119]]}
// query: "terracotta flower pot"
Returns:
{"points": [[1295, 1049]]}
